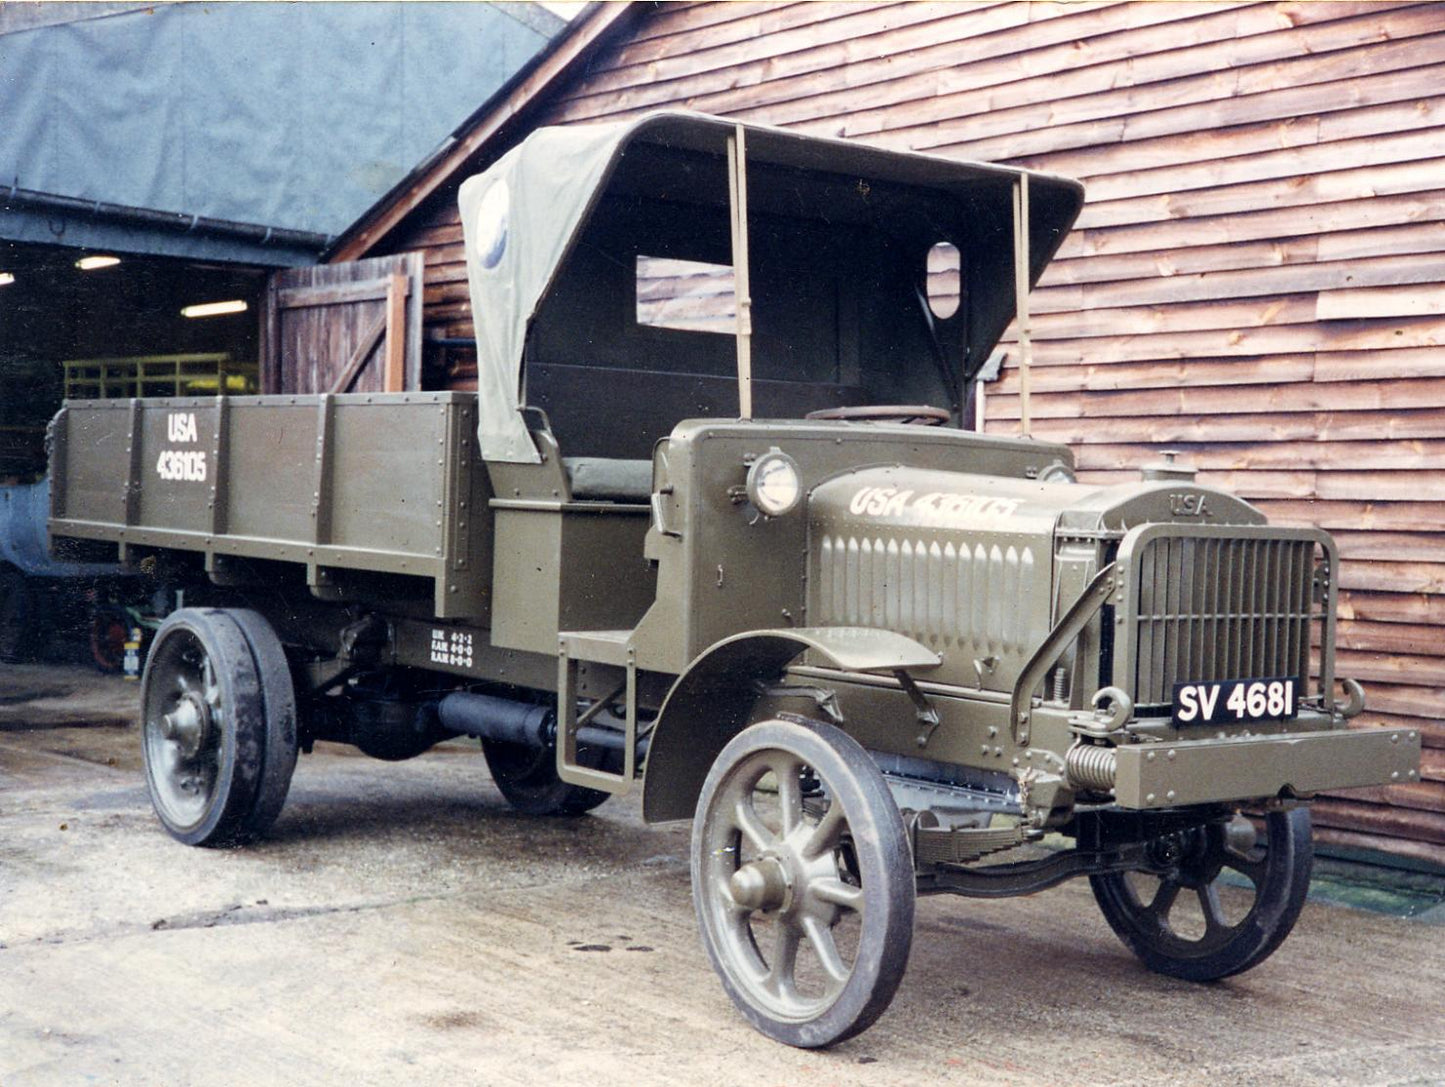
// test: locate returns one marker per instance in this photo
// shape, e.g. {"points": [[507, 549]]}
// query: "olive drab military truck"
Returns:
{"points": [[713, 525]]}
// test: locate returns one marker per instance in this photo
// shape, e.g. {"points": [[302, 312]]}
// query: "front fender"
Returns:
{"points": [[710, 702]]}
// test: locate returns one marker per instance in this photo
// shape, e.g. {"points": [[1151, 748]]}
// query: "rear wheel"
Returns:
{"points": [[803, 881], [203, 724], [278, 697], [1189, 917], [527, 778]]}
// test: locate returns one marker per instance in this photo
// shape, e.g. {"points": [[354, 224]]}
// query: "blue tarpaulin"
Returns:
{"points": [[297, 116]]}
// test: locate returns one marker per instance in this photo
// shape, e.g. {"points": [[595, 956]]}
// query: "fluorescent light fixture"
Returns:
{"points": [[91, 263], [214, 309], [6, 278]]}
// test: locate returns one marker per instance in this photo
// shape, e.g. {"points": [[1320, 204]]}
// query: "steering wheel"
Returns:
{"points": [[917, 414]]}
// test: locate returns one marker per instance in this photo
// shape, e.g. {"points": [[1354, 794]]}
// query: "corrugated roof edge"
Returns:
{"points": [[577, 40]]}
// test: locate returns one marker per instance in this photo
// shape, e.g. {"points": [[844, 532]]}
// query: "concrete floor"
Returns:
{"points": [[403, 926]]}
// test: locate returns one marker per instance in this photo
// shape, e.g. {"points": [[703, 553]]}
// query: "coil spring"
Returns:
{"points": [[1091, 766]]}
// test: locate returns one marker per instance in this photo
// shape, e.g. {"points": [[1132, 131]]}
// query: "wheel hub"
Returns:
{"points": [[188, 725], [760, 885]]}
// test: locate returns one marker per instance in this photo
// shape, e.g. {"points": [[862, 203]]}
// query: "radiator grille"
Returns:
{"points": [[1216, 608]]}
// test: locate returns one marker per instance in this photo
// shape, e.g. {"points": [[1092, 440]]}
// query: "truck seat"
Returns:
{"points": [[609, 479]]}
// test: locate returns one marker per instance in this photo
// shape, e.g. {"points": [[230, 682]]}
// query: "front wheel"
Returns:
{"points": [[803, 881], [1188, 917]]}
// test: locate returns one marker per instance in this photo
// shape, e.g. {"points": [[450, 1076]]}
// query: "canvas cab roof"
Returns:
{"points": [[580, 236]]}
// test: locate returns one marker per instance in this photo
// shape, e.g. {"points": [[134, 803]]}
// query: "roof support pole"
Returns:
{"points": [[738, 206], [1021, 297]]}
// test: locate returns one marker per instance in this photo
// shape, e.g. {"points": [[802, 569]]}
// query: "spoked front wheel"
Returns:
{"points": [[1189, 917], [803, 881]]}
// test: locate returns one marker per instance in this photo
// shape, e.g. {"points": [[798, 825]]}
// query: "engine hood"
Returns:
{"points": [[902, 498], [965, 563]]}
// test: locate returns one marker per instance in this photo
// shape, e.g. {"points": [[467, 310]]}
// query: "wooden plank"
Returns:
{"points": [[358, 358], [1357, 516], [1307, 87], [1432, 764], [681, 73], [1379, 486], [1373, 365], [1357, 457], [1417, 796], [445, 273], [1300, 190], [271, 341], [1396, 101], [1160, 375], [1201, 403], [1344, 277], [1425, 545], [694, 26], [394, 354], [888, 67], [445, 292], [1407, 393], [587, 32], [1247, 426], [1067, 313], [1374, 637], [1364, 335], [1377, 819], [1426, 703], [1394, 577], [1341, 305], [1430, 731], [339, 294], [1303, 247], [1392, 608], [882, 76], [1165, 236], [1392, 668], [1332, 839], [757, 30]]}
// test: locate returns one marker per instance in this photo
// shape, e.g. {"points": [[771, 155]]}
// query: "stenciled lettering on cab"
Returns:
{"points": [[931, 507]]}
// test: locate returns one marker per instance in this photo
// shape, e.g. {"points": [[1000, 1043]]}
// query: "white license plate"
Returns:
{"points": [[1236, 701]]}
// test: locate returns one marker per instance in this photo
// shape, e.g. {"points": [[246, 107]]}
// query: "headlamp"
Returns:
{"points": [[774, 486]]}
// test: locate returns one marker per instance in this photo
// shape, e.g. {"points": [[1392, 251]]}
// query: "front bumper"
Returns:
{"points": [[1166, 775]]}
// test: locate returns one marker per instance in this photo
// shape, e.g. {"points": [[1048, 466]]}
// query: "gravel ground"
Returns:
{"points": [[402, 925]]}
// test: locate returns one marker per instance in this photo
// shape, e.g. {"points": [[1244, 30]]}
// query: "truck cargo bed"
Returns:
{"points": [[388, 484]]}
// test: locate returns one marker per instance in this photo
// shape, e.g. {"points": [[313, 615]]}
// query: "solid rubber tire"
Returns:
{"points": [[1277, 907], [884, 860], [278, 694], [241, 745]]}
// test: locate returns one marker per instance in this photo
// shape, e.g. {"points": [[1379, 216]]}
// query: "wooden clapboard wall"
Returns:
{"points": [[1258, 279]]}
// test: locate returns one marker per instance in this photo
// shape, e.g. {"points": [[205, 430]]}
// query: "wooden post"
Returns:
{"points": [[738, 203], [394, 376], [1021, 297]]}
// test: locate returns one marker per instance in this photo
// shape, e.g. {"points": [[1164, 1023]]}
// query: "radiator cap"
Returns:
{"points": [[1168, 469]]}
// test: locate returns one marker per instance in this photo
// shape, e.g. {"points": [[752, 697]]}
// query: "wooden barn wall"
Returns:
{"points": [[1258, 278]]}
